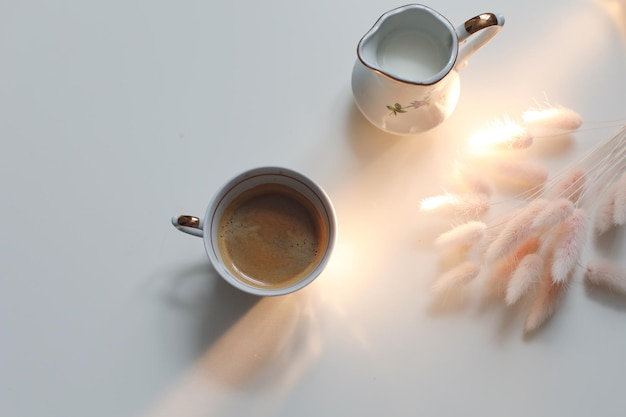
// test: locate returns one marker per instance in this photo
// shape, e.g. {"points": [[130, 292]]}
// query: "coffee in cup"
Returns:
{"points": [[271, 236], [269, 231]]}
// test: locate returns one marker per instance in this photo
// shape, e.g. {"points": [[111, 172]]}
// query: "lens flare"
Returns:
{"points": [[501, 135]]}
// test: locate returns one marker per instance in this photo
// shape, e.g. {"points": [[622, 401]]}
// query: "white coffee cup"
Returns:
{"points": [[278, 217]]}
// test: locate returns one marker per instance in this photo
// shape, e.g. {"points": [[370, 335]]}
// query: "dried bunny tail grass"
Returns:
{"points": [[604, 214], [500, 271], [530, 245], [456, 277], [470, 181], [603, 272], [569, 245], [544, 303], [550, 117], [525, 275], [619, 201], [569, 186], [465, 234], [466, 205], [555, 212], [519, 139], [525, 173], [518, 229], [494, 228], [502, 135]]}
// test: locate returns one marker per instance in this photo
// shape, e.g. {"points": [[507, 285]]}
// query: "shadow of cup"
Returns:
{"points": [[272, 342], [252, 342], [239, 333]]}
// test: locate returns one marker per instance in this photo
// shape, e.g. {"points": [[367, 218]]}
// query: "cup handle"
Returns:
{"points": [[189, 224], [475, 33]]}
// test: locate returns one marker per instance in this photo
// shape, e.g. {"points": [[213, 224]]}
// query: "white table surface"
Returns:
{"points": [[116, 115]]}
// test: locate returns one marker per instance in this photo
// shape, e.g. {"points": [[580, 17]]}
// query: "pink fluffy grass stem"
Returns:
{"points": [[463, 235], [527, 273], [619, 201], [544, 302], [517, 230], [606, 273], [524, 173], [555, 212], [456, 277], [556, 118], [470, 205], [569, 245]]}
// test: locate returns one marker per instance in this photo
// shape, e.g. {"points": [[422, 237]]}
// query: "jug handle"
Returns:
{"points": [[475, 33]]}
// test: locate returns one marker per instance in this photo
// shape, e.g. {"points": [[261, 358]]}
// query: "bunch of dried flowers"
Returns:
{"points": [[536, 249]]}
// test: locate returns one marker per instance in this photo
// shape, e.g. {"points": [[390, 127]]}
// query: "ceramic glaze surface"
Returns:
{"points": [[404, 79], [398, 108]]}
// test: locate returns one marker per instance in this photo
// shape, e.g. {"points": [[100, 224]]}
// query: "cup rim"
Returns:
{"points": [[246, 175]]}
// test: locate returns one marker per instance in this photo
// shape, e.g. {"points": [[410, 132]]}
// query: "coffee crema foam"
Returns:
{"points": [[271, 236]]}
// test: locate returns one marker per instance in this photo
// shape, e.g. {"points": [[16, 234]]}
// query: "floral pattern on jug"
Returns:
{"points": [[399, 108]]}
